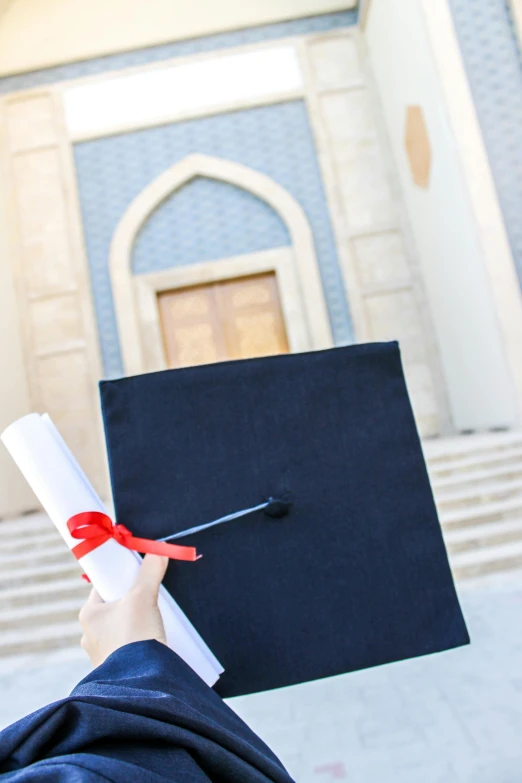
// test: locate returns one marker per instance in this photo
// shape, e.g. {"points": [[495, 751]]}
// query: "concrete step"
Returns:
{"points": [[462, 447], [28, 640], [13, 561], [455, 498], [472, 515], [24, 543], [485, 461], [36, 573], [31, 525], [481, 536], [470, 564], [38, 594], [501, 472], [38, 615]]}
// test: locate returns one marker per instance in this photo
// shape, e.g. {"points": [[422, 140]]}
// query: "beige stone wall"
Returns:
{"points": [[4, 4], [15, 494], [382, 281], [46, 251], [37, 34], [48, 257]]}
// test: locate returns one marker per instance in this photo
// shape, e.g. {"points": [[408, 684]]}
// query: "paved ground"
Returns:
{"points": [[452, 718]]}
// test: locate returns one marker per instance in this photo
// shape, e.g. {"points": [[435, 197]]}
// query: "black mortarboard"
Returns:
{"points": [[348, 569]]}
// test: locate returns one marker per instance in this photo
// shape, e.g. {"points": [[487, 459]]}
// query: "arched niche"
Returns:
{"points": [[296, 267]]}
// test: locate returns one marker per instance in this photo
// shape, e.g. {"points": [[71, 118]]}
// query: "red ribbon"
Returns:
{"points": [[96, 528]]}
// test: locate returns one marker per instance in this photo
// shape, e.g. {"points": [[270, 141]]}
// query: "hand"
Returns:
{"points": [[134, 618]]}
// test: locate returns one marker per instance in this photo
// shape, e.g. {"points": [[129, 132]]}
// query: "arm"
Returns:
{"points": [[142, 711]]}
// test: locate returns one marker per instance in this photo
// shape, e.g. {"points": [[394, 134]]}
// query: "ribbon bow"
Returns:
{"points": [[95, 528]]}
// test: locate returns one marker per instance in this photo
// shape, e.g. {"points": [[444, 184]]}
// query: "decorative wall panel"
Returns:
{"points": [[275, 140], [48, 263], [42, 218], [386, 299], [418, 148], [31, 123]]}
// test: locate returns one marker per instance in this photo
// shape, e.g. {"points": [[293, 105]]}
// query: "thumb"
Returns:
{"points": [[150, 575]]}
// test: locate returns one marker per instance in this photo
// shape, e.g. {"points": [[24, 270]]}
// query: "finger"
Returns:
{"points": [[150, 575], [89, 606], [94, 598]]}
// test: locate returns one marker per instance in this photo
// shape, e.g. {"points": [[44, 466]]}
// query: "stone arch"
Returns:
{"points": [[260, 185]]}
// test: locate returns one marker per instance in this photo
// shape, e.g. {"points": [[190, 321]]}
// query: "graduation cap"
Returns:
{"points": [[339, 563]]}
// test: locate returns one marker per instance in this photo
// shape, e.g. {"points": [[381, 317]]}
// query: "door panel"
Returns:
{"points": [[234, 319]]}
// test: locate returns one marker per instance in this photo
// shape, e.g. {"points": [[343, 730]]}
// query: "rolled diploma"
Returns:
{"points": [[165, 600], [63, 490]]}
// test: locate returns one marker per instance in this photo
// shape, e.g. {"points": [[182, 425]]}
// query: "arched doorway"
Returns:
{"points": [[292, 270]]}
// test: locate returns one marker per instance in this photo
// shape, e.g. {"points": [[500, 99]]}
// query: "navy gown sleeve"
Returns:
{"points": [[142, 715]]}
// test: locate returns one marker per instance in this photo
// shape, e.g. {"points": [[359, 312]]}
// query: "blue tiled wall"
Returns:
{"points": [[492, 59], [114, 62], [275, 140], [203, 221]]}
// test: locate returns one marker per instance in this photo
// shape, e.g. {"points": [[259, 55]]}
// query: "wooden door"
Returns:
{"points": [[233, 319]]}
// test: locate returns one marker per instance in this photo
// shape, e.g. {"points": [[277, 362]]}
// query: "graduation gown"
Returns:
{"points": [[142, 715]]}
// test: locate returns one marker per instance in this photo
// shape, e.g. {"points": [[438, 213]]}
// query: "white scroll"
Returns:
{"points": [[64, 490]]}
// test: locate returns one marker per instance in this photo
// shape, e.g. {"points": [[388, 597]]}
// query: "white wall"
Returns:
{"points": [[478, 378], [167, 93], [39, 33]]}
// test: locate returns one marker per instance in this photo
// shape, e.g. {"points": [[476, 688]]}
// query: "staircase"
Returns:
{"points": [[41, 590], [477, 481]]}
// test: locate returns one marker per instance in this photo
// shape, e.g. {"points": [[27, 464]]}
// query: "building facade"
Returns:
{"points": [[196, 187]]}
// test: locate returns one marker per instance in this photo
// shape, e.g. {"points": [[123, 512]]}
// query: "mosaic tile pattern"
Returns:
{"points": [[491, 54], [203, 221], [113, 62], [275, 140]]}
